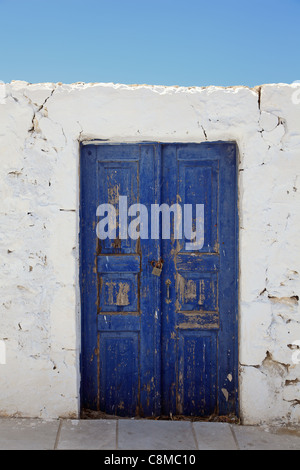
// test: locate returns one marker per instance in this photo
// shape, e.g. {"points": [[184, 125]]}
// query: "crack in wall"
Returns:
{"points": [[267, 363], [204, 132], [258, 90], [264, 132], [42, 111]]}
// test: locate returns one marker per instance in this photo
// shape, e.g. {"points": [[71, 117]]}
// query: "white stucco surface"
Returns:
{"points": [[41, 126]]}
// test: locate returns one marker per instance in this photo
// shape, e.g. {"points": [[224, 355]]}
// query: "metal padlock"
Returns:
{"points": [[157, 267]]}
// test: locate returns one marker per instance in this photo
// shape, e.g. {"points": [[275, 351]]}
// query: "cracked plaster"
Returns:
{"points": [[41, 126]]}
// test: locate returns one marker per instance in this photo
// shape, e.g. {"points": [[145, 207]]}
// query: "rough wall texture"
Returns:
{"points": [[41, 126]]}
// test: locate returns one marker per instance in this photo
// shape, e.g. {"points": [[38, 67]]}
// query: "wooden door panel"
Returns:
{"points": [[120, 325], [199, 322]]}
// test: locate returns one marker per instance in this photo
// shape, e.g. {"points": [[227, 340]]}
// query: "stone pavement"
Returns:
{"points": [[131, 434]]}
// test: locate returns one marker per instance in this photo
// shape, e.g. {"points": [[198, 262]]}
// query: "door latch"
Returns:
{"points": [[168, 283]]}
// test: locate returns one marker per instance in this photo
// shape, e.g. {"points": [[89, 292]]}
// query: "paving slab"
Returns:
{"points": [[134, 434], [214, 436], [87, 435], [27, 434], [158, 435], [258, 438]]}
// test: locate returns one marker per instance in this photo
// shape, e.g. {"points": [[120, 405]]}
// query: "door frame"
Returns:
{"points": [[237, 254]]}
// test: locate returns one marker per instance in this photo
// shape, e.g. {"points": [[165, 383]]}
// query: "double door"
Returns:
{"points": [[158, 247]]}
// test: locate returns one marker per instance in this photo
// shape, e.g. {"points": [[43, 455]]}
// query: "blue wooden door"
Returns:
{"points": [[120, 296], [199, 327], [165, 344]]}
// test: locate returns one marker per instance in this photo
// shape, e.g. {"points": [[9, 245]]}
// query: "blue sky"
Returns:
{"points": [[163, 42]]}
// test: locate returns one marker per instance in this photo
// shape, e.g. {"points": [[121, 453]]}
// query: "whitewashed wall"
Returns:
{"points": [[41, 126]]}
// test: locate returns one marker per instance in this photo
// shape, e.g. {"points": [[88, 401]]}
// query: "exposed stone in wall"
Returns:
{"points": [[40, 129]]}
